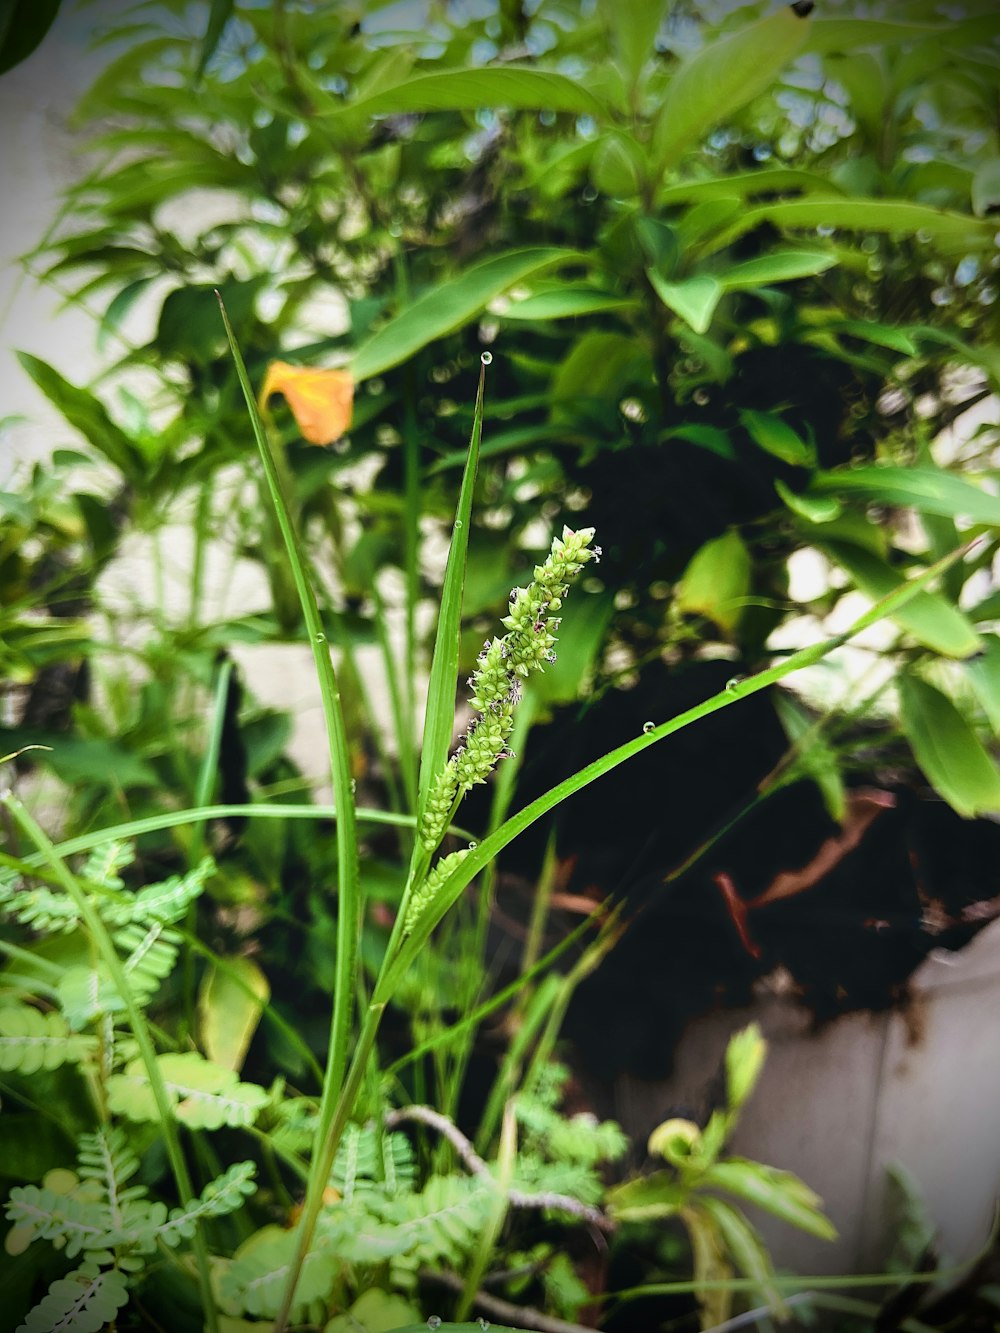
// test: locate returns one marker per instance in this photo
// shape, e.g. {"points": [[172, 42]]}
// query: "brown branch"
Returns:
{"points": [[565, 1203], [525, 1316]]}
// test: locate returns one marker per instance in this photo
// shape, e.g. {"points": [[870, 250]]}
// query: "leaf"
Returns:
{"points": [[633, 25], [831, 34], [813, 508], [203, 1094], [230, 1005], [983, 674], [82, 1302], [31, 1040], [376, 1311], [88, 415], [321, 400], [813, 757], [777, 1192], [218, 16], [723, 77], [618, 167], [566, 302], [929, 489], [712, 438], [694, 298], [954, 232], [448, 306], [716, 582], [647, 1198], [745, 1056], [986, 188], [439, 715], [777, 438], [253, 1281], [23, 25], [745, 1248], [474, 89], [948, 750], [778, 266], [929, 617]]}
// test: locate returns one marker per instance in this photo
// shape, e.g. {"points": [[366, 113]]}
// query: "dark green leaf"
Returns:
{"points": [[218, 16], [23, 25], [776, 437]]}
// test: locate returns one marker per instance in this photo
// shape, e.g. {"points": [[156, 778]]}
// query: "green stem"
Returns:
{"points": [[109, 956]]}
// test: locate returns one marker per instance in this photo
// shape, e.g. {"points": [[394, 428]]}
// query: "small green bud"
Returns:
{"points": [[745, 1057], [675, 1140]]}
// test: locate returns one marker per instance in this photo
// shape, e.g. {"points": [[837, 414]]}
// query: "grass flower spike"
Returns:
{"points": [[503, 664]]}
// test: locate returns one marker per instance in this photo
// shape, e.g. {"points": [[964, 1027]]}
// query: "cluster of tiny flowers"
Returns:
{"points": [[504, 662], [425, 895]]}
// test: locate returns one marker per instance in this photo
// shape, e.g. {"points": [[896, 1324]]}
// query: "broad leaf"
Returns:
{"points": [[778, 266], [716, 582], [694, 298], [566, 302], [777, 1192], [777, 438], [983, 674], [231, 1001], [449, 305], [721, 78], [948, 750], [475, 89], [930, 490]]}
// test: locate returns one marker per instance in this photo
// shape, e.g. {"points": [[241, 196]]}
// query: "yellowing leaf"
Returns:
{"points": [[230, 1004], [321, 400]]}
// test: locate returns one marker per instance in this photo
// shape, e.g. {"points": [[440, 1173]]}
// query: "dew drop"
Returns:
{"points": [[473, 846], [648, 727], [483, 1323], [487, 358], [458, 522], [734, 683], [321, 638], [700, 396], [434, 1321], [354, 785]]}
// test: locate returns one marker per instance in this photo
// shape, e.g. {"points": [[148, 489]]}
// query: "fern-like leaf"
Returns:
{"points": [[31, 1040], [75, 1221], [86, 1301], [369, 1159], [204, 1095], [253, 1282]]}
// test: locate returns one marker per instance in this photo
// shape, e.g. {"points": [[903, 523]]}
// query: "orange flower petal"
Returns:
{"points": [[320, 400]]}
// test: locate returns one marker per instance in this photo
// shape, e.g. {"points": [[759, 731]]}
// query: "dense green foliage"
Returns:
{"points": [[736, 271]]}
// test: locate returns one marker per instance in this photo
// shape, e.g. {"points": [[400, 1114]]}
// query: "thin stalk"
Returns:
{"points": [[109, 957], [202, 522], [349, 897], [402, 716]]}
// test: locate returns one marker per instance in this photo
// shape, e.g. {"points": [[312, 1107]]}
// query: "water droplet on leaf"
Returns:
{"points": [[434, 1321], [321, 638], [483, 1323], [648, 727], [473, 846], [458, 522], [487, 358], [734, 683]]}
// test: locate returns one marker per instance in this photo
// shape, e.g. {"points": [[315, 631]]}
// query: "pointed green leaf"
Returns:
{"points": [[850, 34], [778, 266], [813, 508], [474, 89], [230, 1004], [218, 16], [948, 750], [716, 582], [694, 298], [23, 25], [745, 1248], [983, 674], [88, 415], [928, 489], [777, 1192], [448, 306], [929, 617], [566, 302], [723, 77], [777, 438]]}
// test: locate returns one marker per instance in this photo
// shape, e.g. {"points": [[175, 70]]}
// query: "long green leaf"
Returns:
{"points": [[349, 903], [88, 415], [475, 89], [930, 490], [439, 718], [721, 78], [954, 232], [929, 617], [835, 35], [449, 305], [218, 16], [948, 750]]}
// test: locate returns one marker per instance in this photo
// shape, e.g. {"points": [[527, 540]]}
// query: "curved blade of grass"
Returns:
{"points": [[349, 903], [494, 842], [108, 954], [442, 688]]}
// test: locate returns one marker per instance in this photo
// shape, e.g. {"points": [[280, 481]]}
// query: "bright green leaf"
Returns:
{"points": [[777, 1192], [814, 508], [566, 302], [694, 298], [716, 582], [928, 489], [723, 77], [948, 750], [983, 674], [777, 438], [929, 617], [474, 89], [778, 266], [230, 1004]]}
